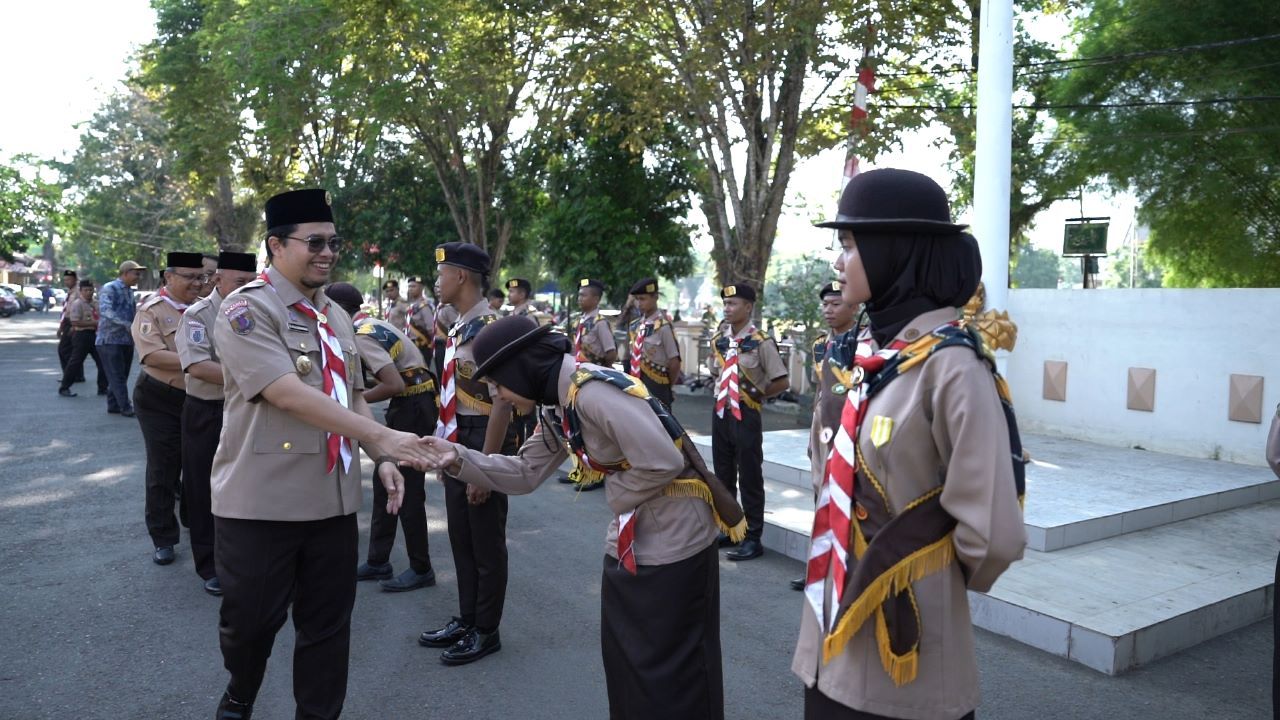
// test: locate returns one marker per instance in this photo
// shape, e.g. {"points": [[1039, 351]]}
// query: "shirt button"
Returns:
{"points": [[287, 446]]}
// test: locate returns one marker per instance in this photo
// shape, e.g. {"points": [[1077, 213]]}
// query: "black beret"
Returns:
{"points": [[246, 262], [413, 279], [738, 290], [645, 286], [467, 256], [589, 282], [501, 339], [391, 284], [184, 260], [299, 206], [831, 288], [70, 273], [346, 295], [86, 283], [521, 283]]}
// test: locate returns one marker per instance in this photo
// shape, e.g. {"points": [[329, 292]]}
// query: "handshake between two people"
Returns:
{"points": [[402, 449]]}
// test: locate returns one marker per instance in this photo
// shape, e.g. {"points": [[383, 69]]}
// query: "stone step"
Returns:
{"points": [[1077, 492]]}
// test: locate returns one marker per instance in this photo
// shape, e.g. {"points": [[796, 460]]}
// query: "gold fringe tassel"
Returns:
{"points": [[918, 565], [473, 403], [686, 487], [902, 668]]}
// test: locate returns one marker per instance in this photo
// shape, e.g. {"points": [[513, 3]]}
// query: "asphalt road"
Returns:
{"points": [[91, 628]]}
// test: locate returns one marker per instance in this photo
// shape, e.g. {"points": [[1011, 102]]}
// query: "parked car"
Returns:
{"points": [[16, 292], [35, 298], [59, 296], [8, 303]]}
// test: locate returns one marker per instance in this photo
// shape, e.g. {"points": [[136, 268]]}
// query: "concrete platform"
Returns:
{"points": [[1077, 492], [1132, 555]]}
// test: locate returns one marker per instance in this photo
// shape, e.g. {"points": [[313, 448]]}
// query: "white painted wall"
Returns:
{"points": [[1195, 339]]}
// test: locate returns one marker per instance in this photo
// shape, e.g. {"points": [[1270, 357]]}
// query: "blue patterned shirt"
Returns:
{"points": [[115, 314]]}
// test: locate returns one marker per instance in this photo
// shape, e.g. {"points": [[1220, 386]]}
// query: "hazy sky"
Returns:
{"points": [[62, 58]]}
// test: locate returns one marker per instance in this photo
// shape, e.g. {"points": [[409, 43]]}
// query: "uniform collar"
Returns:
{"points": [[657, 315], [521, 308], [480, 308], [285, 289], [744, 333], [588, 315], [214, 297], [926, 323]]}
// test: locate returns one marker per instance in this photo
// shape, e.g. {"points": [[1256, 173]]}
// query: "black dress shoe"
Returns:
{"points": [[373, 571], [127, 413], [797, 584], [409, 580], [213, 587], [588, 487], [748, 550], [230, 709], [446, 636], [164, 555], [65, 393], [565, 479], [725, 541], [473, 646]]}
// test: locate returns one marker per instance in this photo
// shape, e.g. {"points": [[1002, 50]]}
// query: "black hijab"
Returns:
{"points": [[533, 371], [910, 275]]}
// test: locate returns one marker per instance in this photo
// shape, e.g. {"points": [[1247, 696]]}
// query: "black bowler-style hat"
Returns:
{"points": [[894, 201], [467, 256], [501, 339], [521, 283], [741, 291], [184, 260], [246, 262], [645, 286], [299, 206], [831, 288]]}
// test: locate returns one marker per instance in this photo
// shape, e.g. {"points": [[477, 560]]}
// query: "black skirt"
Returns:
{"points": [[660, 637]]}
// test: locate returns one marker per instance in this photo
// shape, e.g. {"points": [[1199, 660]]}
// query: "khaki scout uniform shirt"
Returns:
{"points": [[407, 358], [828, 404], [80, 314], [446, 318], [947, 422], [758, 366], [597, 338], [396, 313], [269, 464], [195, 344], [526, 309], [659, 348], [466, 365], [154, 328], [614, 426]]}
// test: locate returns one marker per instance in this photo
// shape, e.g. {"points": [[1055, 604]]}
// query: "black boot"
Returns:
{"points": [[231, 709]]}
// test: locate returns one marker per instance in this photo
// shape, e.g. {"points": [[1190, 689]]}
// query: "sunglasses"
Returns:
{"points": [[316, 243]]}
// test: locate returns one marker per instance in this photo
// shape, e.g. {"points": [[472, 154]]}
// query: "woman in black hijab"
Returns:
{"points": [[920, 502]]}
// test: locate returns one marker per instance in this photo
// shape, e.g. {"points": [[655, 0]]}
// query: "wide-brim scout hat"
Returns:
{"points": [[894, 201], [831, 288], [647, 286], [501, 340], [742, 291], [299, 206], [467, 256], [245, 262]]}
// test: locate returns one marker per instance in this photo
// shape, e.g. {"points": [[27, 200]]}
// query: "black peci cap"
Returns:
{"points": [[647, 286], [739, 290], [299, 206], [246, 262], [467, 256], [184, 260]]}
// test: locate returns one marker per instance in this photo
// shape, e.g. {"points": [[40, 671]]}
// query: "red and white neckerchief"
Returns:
{"points": [[361, 315], [727, 393], [447, 423], [164, 294], [833, 520], [579, 333], [334, 371], [637, 346]]}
